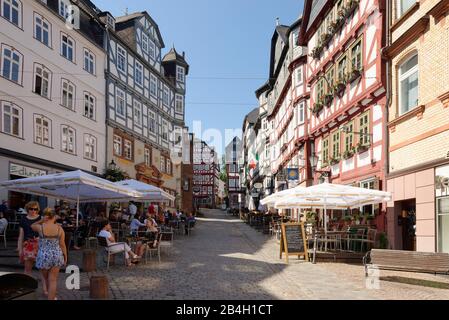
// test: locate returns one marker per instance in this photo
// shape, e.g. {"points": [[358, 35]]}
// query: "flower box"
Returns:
{"points": [[325, 38], [316, 52], [362, 147], [354, 75], [350, 8], [334, 161], [339, 88], [317, 107], [327, 100], [348, 154]]}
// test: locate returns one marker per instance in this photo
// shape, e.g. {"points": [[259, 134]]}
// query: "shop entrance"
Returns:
{"points": [[443, 224], [407, 224]]}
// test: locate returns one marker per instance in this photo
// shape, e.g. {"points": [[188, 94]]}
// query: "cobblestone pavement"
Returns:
{"points": [[226, 259]]}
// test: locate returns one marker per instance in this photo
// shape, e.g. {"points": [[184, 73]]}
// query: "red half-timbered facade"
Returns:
{"points": [[347, 91]]}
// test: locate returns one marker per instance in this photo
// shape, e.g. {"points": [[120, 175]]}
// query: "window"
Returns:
{"points": [[68, 139], [90, 147], [369, 209], [138, 113], [356, 56], [121, 59], [12, 11], [408, 85], [42, 81], [144, 43], [330, 77], [342, 69], [12, 62], [169, 167], [364, 129], [299, 76], [12, 120], [128, 150], [89, 106], [349, 136], [162, 164], [165, 97], [68, 94], [42, 130], [325, 152], [403, 6], [118, 145], [180, 74], [320, 89], [139, 74], [295, 39], [164, 131], [336, 144], [147, 157], [120, 102], [64, 8], [67, 47], [42, 29], [301, 112], [152, 121], [179, 103], [153, 86], [152, 49], [89, 61]]}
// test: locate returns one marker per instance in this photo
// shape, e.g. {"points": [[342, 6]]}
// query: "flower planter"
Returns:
{"points": [[362, 148], [334, 161], [348, 154], [317, 107], [352, 5], [325, 38], [354, 75], [327, 101], [316, 52], [339, 89]]}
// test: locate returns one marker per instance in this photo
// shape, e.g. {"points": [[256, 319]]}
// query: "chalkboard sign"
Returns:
{"points": [[293, 240]]}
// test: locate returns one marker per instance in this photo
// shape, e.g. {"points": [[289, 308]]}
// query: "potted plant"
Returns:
{"points": [[383, 241], [362, 147], [348, 154], [339, 88], [354, 74], [325, 38], [316, 52], [311, 217], [327, 100], [351, 6], [317, 107], [342, 13], [334, 161]]}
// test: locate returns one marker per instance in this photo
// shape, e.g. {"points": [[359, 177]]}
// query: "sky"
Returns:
{"points": [[227, 45]]}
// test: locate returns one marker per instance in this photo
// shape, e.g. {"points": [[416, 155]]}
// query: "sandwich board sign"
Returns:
{"points": [[293, 241]]}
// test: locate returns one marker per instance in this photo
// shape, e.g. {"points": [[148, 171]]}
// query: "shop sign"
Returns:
{"points": [[25, 172]]}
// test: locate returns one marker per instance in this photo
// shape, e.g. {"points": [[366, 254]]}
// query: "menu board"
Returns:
{"points": [[293, 241]]}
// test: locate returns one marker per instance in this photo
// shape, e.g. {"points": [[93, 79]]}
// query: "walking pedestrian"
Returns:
{"points": [[27, 244], [52, 252]]}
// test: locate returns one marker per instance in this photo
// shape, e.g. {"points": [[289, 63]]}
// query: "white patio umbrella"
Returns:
{"points": [[331, 196], [148, 192], [271, 199], [252, 205], [75, 186]]}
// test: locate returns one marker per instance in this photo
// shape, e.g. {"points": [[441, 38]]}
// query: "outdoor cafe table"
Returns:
{"points": [[333, 236]]}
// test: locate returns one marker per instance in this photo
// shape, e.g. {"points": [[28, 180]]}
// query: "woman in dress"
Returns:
{"points": [[27, 243], [52, 253]]}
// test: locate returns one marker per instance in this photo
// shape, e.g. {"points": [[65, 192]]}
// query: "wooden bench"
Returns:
{"points": [[408, 261]]}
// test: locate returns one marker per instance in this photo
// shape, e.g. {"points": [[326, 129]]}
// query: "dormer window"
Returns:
{"points": [[110, 21], [180, 74]]}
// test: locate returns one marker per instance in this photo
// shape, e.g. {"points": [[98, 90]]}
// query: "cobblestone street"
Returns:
{"points": [[225, 259]]}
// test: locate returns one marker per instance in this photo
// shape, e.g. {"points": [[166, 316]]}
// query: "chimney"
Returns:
{"points": [[277, 21], [183, 54]]}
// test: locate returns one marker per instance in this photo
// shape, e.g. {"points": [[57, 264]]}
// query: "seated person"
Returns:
{"points": [[190, 221], [151, 225], [116, 247], [3, 222], [135, 225]]}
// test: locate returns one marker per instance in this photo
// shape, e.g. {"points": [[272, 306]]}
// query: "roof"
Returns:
{"points": [[251, 117], [173, 55], [282, 30], [132, 16], [317, 6], [263, 89]]}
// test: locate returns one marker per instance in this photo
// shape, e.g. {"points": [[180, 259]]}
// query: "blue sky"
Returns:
{"points": [[227, 45]]}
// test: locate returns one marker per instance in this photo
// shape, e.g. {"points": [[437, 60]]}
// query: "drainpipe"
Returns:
{"points": [[388, 101], [108, 69]]}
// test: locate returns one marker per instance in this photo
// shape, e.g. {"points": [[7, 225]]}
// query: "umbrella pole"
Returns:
{"points": [[325, 224], [78, 207]]}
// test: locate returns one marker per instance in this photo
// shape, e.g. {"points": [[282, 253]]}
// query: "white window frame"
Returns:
{"points": [[168, 166], [153, 86], [180, 74], [15, 116], [63, 9], [127, 149], [18, 8], [120, 100], [147, 157], [68, 94], [42, 132], [144, 42], [45, 88], [166, 96], [68, 139], [151, 49], [15, 62], [117, 145], [179, 103], [402, 77], [122, 60], [68, 45], [89, 61], [138, 73], [299, 76], [400, 11], [90, 147], [45, 27], [138, 113], [89, 110], [301, 112], [165, 131], [151, 121]]}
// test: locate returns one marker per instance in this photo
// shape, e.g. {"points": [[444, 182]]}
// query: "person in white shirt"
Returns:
{"points": [[3, 223], [117, 247], [135, 225], [132, 210]]}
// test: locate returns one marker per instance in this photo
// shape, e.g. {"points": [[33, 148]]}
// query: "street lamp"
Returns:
{"points": [[314, 163]]}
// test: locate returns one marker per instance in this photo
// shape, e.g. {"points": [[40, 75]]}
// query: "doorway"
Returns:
{"points": [[407, 224], [443, 224]]}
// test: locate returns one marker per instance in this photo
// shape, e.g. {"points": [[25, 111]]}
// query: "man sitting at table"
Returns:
{"points": [[116, 247]]}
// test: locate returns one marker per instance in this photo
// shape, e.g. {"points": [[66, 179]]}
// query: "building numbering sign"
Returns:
{"points": [[293, 241]]}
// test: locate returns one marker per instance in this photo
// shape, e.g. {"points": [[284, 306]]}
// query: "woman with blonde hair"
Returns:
{"points": [[27, 243], [52, 254]]}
